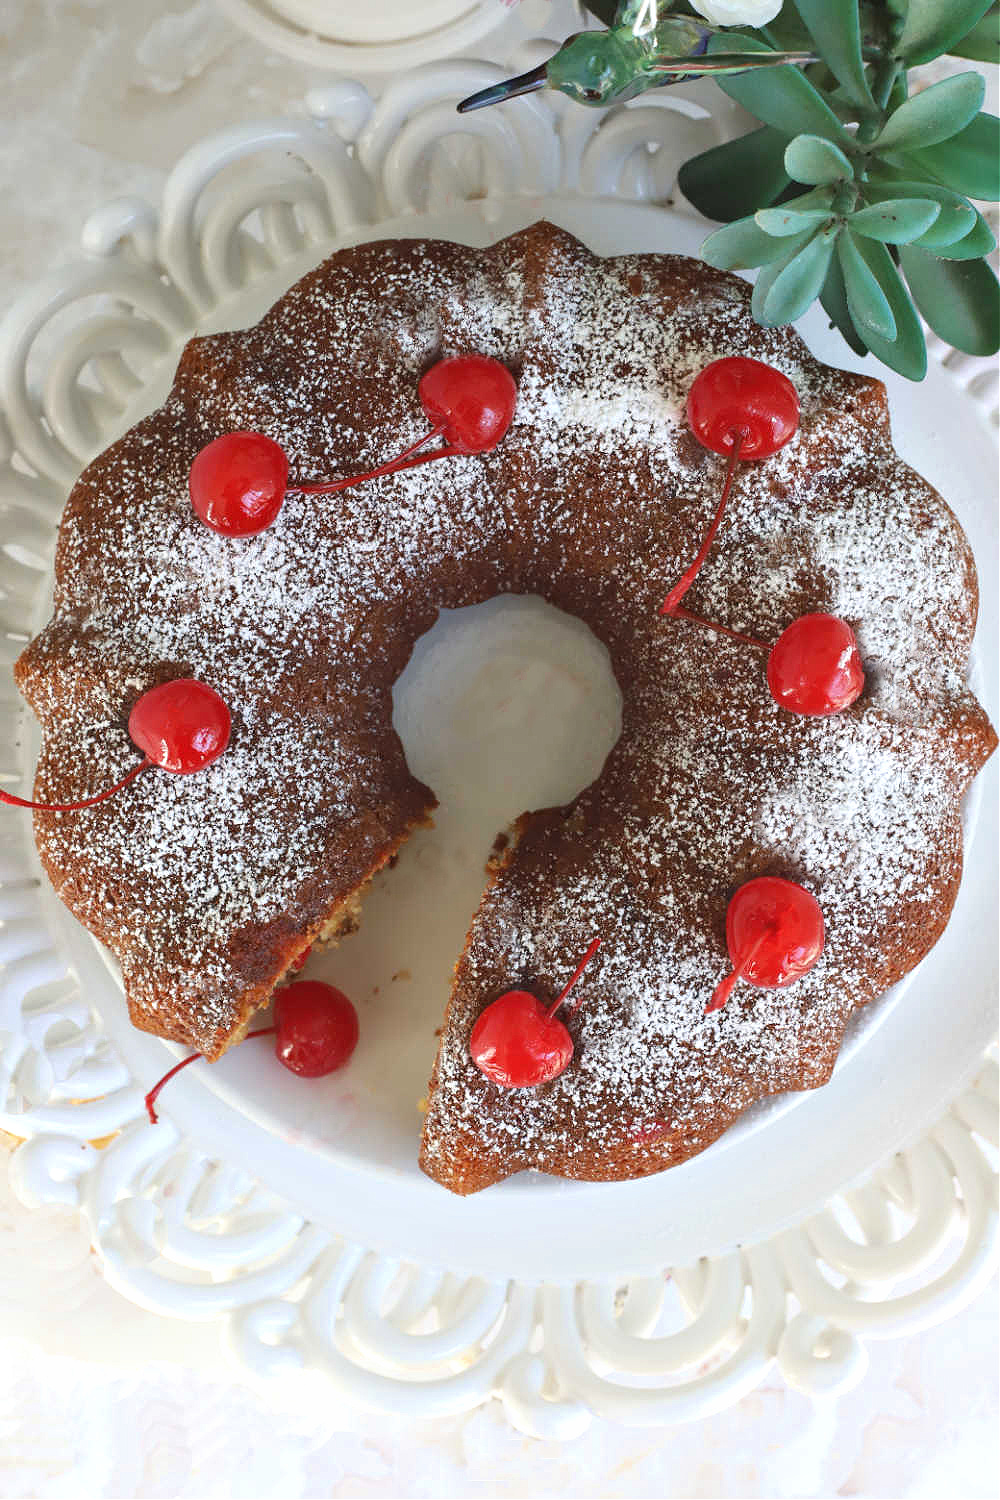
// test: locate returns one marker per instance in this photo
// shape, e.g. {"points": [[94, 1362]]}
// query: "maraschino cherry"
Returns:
{"points": [[315, 1032], [181, 726], [743, 403], [774, 933], [815, 666], [744, 409], [316, 1028], [518, 1042], [239, 481], [300, 962]]}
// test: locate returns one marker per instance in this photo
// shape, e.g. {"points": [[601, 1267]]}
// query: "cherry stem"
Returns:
{"points": [[585, 960], [402, 461], [154, 1092], [722, 991], [680, 588], [748, 640], [13, 801]]}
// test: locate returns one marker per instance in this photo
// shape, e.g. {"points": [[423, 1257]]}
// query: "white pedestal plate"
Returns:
{"points": [[392, 36], [862, 1211]]}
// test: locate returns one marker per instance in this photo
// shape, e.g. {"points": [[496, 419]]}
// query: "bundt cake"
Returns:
{"points": [[209, 886]]}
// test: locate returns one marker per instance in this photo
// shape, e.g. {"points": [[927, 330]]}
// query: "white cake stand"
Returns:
{"points": [[296, 1212], [395, 35]]}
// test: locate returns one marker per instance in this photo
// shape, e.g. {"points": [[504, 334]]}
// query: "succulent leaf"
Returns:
{"points": [[979, 241], [835, 28], [833, 298], [899, 91], [967, 162], [959, 299], [982, 43], [819, 197], [798, 281], [896, 220], [604, 10], [934, 115], [732, 180], [787, 220], [765, 281], [810, 158], [907, 352], [743, 245], [781, 97], [957, 215], [786, 32], [942, 237], [887, 167], [934, 26], [868, 304]]}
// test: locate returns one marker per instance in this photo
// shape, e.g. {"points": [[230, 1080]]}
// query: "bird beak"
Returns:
{"points": [[524, 83]]}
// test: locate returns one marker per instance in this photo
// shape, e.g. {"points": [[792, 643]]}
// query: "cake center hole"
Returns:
{"points": [[504, 707]]}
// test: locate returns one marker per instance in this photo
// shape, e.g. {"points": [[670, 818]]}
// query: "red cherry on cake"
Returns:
{"points": [[471, 399], [774, 933], [815, 667], [743, 401], [316, 1028], [743, 409], [239, 481], [180, 726], [315, 1033], [746, 409], [519, 1042]]}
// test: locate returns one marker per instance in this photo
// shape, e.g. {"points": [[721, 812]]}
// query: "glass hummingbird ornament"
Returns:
{"points": [[642, 50]]}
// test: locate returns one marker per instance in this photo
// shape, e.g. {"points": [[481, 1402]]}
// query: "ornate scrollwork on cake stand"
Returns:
{"points": [[195, 1237]]}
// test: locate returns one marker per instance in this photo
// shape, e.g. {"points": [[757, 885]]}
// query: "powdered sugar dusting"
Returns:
{"points": [[596, 500]]}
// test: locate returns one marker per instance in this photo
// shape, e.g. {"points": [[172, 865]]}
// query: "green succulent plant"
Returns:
{"points": [[855, 189]]}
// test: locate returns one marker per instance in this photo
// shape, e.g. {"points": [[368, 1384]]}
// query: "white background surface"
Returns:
{"points": [[99, 97]]}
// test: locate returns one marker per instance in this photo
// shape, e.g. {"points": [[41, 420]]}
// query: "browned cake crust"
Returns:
{"points": [[206, 886]]}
